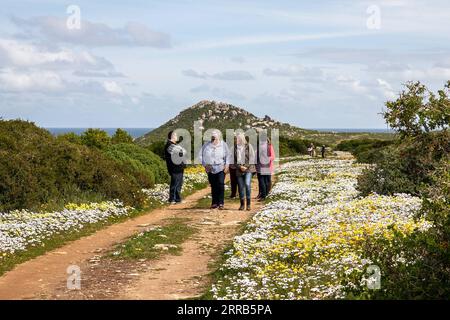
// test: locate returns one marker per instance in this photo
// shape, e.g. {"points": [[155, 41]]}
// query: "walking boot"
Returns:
{"points": [[248, 205], [242, 207]]}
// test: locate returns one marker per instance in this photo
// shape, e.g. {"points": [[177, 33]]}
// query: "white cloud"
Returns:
{"points": [[98, 74], [23, 54], [194, 74], [11, 80], [234, 75], [91, 33], [113, 87], [386, 89], [265, 39]]}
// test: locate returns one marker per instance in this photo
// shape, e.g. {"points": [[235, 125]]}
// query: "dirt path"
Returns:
{"points": [[171, 277]]}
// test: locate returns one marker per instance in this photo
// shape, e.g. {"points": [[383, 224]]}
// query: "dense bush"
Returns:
{"points": [[406, 166], [364, 150], [141, 165], [418, 266], [96, 138], [121, 136], [158, 148], [37, 169]]}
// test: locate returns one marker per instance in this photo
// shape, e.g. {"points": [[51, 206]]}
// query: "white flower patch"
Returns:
{"points": [[20, 229], [310, 234]]}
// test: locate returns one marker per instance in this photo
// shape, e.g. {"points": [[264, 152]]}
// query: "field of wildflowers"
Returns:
{"points": [[21, 230], [310, 236], [194, 178]]}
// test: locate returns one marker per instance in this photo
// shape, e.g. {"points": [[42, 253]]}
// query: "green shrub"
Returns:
{"points": [[365, 150], [71, 137], [121, 136], [37, 169], [158, 148], [417, 266], [406, 167], [141, 165], [292, 147], [96, 138]]}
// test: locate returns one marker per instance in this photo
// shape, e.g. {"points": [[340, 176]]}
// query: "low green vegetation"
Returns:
{"points": [[418, 266], [41, 172], [334, 138], [153, 243], [142, 166], [292, 147], [365, 150]]}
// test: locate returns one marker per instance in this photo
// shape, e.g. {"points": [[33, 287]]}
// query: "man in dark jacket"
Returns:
{"points": [[174, 155]]}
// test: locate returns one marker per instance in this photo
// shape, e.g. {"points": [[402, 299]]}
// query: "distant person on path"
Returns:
{"points": [[244, 157], [312, 150], [174, 155], [264, 167], [323, 149], [215, 157], [233, 178]]}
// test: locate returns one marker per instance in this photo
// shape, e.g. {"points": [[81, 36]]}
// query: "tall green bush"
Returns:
{"points": [[37, 169], [141, 165]]}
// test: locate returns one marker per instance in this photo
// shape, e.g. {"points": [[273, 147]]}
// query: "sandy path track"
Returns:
{"points": [[171, 277]]}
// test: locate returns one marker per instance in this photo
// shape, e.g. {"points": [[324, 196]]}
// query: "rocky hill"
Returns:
{"points": [[219, 115]]}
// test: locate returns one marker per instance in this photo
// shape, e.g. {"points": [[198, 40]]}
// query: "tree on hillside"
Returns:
{"points": [[121, 136]]}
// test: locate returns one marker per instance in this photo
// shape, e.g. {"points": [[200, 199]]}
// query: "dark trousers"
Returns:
{"points": [[265, 184], [233, 182], [176, 182], [217, 182], [258, 175]]}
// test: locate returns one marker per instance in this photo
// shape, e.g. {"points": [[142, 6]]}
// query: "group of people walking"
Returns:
{"points": [[312, 150], [241, 163], [250, 162]]}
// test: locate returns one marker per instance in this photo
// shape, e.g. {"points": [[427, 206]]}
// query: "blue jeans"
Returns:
{"points": [[245, 185], [217, 182], [176, 182]]}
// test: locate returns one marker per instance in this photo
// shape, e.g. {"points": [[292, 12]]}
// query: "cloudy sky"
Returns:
{"points": [[137, 63]]}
